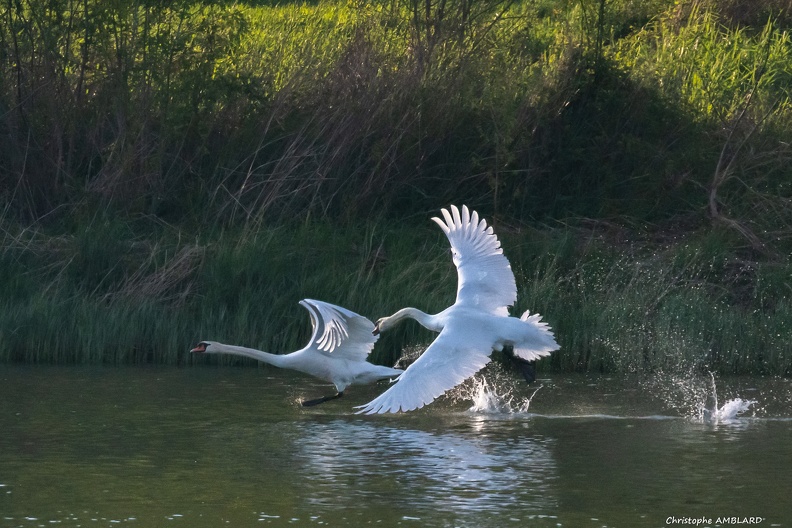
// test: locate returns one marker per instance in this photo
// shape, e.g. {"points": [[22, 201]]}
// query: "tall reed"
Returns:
{"points": [[264, 112], [614, 307]]}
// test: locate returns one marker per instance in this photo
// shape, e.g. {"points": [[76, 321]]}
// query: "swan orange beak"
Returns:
{"points": [[200, 349]]}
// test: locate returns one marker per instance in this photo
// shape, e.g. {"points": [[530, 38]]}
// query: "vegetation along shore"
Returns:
{"points": [[172, 173]]}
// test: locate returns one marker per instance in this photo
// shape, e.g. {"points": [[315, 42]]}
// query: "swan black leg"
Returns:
{"points": [[317, 401], [526, 368]]}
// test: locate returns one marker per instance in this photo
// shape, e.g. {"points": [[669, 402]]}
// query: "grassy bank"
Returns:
{"points": [[190, 171], [617, 304]]}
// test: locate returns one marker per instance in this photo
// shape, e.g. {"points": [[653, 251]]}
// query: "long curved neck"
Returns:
{"points": [[424, 319], [266, 357]]}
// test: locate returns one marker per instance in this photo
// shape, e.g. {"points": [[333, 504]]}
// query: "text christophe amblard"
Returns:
{"points": [[716, 521]]}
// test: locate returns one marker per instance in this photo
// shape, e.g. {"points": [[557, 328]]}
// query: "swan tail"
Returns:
{"points": [[537, 341]]}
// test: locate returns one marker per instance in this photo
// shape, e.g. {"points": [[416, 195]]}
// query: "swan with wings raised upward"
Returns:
{"points": [[340, 343], [470, 329]]}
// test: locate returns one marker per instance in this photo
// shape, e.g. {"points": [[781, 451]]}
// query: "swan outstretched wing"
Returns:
{"points": [[486, 280], [447, 362], [339, 331]]}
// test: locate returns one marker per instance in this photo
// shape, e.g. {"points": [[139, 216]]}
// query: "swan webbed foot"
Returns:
{"points": [[317, 401]]}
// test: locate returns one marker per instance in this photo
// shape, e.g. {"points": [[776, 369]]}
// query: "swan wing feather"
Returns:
{"points": [[447, 362], [485, 277], [339, 332]]}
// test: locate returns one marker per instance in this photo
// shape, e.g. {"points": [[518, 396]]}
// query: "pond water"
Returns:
{"points": [[209, 447]]}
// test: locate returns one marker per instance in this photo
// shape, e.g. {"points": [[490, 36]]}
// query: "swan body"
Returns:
{"points": [[340, 344], [469, 330]]}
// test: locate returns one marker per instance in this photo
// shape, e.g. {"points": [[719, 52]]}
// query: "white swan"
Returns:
{"points": [[470, 329], [337, 352]]}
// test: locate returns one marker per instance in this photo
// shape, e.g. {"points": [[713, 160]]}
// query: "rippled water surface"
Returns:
{"points": [[208, 447]]}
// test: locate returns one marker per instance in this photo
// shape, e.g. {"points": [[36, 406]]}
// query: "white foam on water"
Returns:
{"points": [[493, 399], [731, 409], [696, 397]]}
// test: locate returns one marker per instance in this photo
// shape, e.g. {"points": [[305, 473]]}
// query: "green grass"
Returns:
{"points": [[614, 307], [191, 171]]}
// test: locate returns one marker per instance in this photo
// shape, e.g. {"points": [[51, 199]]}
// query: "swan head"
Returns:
{"points": [[378, 326], [204, 347], [383, 324], [386, 323]]}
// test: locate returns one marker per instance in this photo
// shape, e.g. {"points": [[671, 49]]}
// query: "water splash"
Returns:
{"points": [[696, 397], [730, 409], [484, 399], [497, 399]]}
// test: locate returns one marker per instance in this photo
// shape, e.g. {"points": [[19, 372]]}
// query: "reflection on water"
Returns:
{"points": [[209, 447], [475, 473]]}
